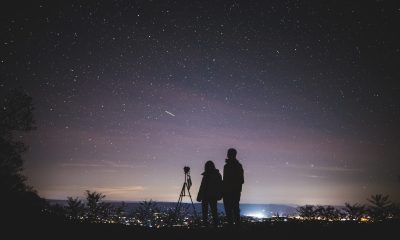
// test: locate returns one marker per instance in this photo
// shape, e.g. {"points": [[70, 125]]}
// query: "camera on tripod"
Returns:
{"points": [[185, 191], [186, 169], [188, 179]]}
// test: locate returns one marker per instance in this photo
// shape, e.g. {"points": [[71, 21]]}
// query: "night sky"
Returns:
{"points": [[127, 93]]}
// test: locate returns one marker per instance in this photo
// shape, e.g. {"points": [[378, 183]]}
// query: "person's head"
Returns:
{"points": [[231, 153], [209, 166]]}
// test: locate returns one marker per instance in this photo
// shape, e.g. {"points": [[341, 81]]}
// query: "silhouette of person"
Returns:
{"points": [[210, 192], [232, 187]]}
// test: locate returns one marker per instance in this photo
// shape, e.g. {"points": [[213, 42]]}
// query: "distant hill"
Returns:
{"points": [[247, 209]]}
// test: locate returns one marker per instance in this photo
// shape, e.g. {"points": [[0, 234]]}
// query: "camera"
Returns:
{"points": [[186, 169]]}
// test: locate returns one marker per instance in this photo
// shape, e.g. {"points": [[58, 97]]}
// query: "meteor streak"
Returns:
{"points": [[170, 113]]}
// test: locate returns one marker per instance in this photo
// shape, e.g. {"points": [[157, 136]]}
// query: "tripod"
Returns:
{"points": [[186, 186]]}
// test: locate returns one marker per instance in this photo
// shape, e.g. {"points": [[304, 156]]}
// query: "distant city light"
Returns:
{"points": [[256, 215]]}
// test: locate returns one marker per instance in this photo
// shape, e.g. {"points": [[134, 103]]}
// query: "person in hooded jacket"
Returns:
{"points": [[232, 187], [210, 192]]}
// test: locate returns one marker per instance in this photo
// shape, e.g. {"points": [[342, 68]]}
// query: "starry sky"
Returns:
{"points": [[127, 93]]}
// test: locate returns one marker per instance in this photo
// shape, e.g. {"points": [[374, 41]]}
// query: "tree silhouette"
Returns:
{"points": [[146, 213], [327, 213], [119, 213], [307, 212], [16, 115], [97, 210], [354, 212], [75, 208], [380, 207]]}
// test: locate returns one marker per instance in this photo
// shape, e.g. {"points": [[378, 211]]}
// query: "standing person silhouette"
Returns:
{"points": [[232, 187], [210, 192]]}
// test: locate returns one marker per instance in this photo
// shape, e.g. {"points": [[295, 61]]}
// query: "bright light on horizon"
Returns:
{"points": [[256, 215]]}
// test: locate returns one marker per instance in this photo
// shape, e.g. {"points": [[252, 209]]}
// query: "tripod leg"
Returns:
{"points": [[194, 209], [178, 205]]}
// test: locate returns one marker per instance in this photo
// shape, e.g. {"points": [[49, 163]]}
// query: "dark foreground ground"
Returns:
{"points": [[55, 229]]}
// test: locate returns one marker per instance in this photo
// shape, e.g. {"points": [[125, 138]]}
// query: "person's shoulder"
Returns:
{"points": [[239, 164]]}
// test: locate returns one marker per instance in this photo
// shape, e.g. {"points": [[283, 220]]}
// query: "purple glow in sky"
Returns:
{"points": [[128, 93]]}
